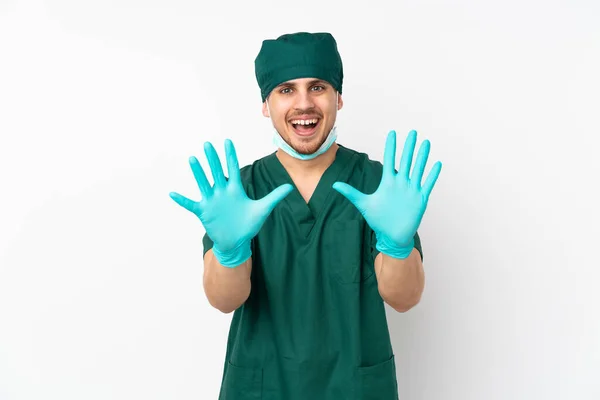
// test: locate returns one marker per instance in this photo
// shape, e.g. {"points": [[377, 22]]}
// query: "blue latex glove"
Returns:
{"points": [[396, 209], [230, 217]]}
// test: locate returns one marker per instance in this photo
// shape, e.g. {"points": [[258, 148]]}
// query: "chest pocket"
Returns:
{"points": [[348, 252]]}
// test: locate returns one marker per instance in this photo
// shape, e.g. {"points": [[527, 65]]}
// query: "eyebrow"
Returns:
{"points": [[312, 82]]}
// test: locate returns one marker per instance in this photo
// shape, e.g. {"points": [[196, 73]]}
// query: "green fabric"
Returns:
{"points": [[298, 55], [314, 325]]}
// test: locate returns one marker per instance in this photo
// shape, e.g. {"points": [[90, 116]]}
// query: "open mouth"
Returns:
{"points": [[305, 127]]}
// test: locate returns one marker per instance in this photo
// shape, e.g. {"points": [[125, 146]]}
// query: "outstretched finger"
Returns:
{"points": [[389, 155], [203, 184], [268, 203], [184, 202], [233, 167], [432, 179], [420, 162], [407, 154], [353, 195], [215, 164]]}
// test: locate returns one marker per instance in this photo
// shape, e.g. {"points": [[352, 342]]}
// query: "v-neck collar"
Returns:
{"points": [[305, 213]]}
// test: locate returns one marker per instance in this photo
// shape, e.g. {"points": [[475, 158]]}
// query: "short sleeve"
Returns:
{"points": [[207, 243], [418, 245]]}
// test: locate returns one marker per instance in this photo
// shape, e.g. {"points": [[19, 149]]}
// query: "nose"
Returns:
{"points": [[304, 101]]}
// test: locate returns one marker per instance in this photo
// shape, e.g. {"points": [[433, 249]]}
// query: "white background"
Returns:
{"points": [[102, 103]]}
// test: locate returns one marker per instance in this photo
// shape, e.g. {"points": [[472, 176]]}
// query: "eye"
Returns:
{"points": [[318, 87], [284, 90]]}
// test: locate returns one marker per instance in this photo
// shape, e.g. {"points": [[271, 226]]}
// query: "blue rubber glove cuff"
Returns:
{"points": [[235, 257], [393, 250]]}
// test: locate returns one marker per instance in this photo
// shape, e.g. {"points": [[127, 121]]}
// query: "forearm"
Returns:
{"points": [[226, 288], [401, 281]]}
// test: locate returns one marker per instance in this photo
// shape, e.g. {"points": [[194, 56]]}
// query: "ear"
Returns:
{"points": [[265, 110], [340, 102]]}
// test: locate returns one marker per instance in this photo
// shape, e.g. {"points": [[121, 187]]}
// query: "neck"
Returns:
{"points": [[317, 165]]}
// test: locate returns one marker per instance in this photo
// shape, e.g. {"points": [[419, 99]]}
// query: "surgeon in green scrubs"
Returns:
{"points": [[307, 244]]}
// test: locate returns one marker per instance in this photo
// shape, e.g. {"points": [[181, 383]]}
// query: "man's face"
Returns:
{"points": [[303, 111]]}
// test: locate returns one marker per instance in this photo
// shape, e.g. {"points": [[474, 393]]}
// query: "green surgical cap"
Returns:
{"points": [[298, 55]]}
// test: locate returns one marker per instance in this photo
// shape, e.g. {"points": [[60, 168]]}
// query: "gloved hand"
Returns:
{"points": [[396, 209], [230, 218]]}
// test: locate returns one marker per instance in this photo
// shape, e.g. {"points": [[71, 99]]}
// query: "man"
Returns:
{"points": [[307, 244]]}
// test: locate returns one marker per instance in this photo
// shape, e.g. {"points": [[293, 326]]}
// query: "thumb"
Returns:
{"points": [[184, 202], [269, 202], [353, 195]]}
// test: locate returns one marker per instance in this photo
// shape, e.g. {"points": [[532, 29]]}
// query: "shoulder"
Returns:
{"points": [[249, 170], [366, 171], [255, 172], [363, 160]]}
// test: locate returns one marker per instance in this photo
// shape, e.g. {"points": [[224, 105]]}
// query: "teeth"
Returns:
{"points": [[304, 121]]}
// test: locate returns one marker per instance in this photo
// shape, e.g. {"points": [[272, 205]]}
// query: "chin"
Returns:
{"points": [[307, 145], [307, 151]]}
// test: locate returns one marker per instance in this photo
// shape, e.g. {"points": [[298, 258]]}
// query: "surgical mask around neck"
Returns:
{"points": [[282, 144]]}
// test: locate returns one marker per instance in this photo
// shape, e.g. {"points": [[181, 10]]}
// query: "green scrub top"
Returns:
{"points": [[314, 326]]}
